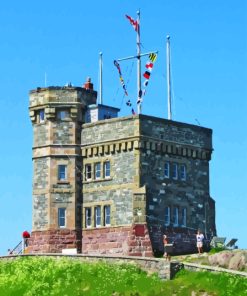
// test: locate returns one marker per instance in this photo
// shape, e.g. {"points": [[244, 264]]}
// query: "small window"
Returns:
{"points": [[97, 216], [62, 114], [97, 170], [167, 216], [175, 216], [62, 172], [41, 116], [107, 215], [183, 172], [88, 172], [107, 116], [174, 171], [167, 170], [184, 216], [88, 220], [61, 217], [107, 169]]}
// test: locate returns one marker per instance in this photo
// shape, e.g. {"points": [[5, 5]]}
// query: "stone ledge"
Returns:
{"points": [[198, 267], [164, 268]]}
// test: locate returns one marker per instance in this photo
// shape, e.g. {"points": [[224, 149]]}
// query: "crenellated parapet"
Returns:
{"points": [[51, 98], [142, 143]]}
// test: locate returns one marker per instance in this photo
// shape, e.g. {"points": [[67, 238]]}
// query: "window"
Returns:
{"points": [[88, 214], [97, 170], [167, 216], [62, 114], [97, 216], [41, 115], [88, 172], [183, 172], [184, 216], [174, 171], [61, 217], [107, 215], [167, 170], [62, 172], [107, 169], [175, 216]]}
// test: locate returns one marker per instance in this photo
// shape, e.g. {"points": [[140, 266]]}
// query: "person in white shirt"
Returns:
{"points": [[199, 241]]}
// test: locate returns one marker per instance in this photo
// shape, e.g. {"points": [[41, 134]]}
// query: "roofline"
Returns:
{"points": [[157, 119]]}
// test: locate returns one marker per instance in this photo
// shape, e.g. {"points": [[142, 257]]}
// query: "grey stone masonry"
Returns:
{"points": [[110, 130], [148, 174], [138, 148], [175, 132], [57, 114]]}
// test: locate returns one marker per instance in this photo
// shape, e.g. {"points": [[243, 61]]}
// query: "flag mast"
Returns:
{"points": [[138, 56], [138, 43], [168, 68]]}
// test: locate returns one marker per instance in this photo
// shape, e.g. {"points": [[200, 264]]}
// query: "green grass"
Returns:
{"points": [[216, 250], [220, 284], [29, 276]]}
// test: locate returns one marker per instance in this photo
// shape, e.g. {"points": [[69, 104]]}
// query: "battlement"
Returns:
{"points": [[49, 99], [67, 95]]}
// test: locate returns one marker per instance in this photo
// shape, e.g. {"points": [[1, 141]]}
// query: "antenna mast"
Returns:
{"points": [[168, 68], [100, 78], [138, 43]]}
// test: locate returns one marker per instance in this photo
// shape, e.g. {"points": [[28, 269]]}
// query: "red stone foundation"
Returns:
{"points": [[53, 241], [129, 240]]}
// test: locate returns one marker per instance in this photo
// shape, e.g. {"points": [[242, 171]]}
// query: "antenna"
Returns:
{"points": [[45, 79], [168, 71], [100, 78]]}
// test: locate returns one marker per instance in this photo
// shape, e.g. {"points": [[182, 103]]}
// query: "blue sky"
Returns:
{"points": [[63, 39]]}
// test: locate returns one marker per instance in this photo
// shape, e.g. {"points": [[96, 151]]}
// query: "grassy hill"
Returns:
{"points": [[48, 276]]}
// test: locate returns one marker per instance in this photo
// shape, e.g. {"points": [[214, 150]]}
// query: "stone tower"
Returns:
{"points": [[57, 114], [104, 184]]}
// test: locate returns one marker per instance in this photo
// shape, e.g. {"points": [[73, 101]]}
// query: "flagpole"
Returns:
{"points": [[168, 68], [100, 78], [138, 42]]}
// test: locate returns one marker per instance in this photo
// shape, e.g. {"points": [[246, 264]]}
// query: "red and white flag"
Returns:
{"points": [[149, 65], [133, 22]]}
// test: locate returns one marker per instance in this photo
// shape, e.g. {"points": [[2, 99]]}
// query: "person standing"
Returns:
{"points": [[199, 241], [165, 242]]}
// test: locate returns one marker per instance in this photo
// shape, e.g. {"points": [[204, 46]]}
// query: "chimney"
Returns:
{"points": [[88, 84]]}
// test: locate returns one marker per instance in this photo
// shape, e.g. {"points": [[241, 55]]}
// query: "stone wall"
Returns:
{"points": [[165, 269], [175, 132], [180, 144], [40, 194], [57, 114], [152, 142], [63, 133], [41, 134], [118, 147], [118, 188], [128, 240], [111, 130], [54, 241]]}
